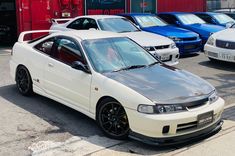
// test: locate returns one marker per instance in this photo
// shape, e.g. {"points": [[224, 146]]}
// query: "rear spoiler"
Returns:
{"points": [[58, 20], [22, 35]]}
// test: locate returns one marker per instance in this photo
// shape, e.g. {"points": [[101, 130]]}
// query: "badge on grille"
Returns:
{"points": [[227, 45]]}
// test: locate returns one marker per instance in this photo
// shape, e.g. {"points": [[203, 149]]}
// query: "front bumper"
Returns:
{"points": [[189, 47], [178, 139], [172, 55], [179, 124], [219, 53]]}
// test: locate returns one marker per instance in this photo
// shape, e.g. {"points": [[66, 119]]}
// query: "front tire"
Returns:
{"points": [[112, 119], [24, 81]]}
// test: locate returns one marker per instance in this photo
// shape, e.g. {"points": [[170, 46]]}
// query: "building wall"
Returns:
{"points": [[227, 3]]}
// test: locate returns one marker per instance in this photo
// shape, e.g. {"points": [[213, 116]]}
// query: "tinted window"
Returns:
{"points": [[83, 24], [206, 18], [130, 18], [168, 18], [67, 51], [117, 25], [46, 46]]}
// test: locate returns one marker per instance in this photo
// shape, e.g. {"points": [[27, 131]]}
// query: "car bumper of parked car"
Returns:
{"points": [[220, 53], [175, 127], [168, 56], [189, 47]]}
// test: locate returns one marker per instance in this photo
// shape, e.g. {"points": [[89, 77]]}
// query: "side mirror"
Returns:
{"points": [[177, 22], [80, 66], [230, 25]]}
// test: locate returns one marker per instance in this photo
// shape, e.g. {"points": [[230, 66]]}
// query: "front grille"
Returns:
{"points": [[189, 39], [162, 47], [186, 126], [188, 47], [225, 44]]}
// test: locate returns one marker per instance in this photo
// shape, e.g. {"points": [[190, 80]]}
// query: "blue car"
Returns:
{"points": [[215, 18], [191, 22], [187, 41]]}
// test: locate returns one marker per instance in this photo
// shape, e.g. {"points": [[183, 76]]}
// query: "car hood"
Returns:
{"points": [[148, 39], [205, 29], [226, 35], [171, 31], [164, 84]]}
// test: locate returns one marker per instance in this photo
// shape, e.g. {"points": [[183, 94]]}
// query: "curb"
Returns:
{"points": [[229, 106]]}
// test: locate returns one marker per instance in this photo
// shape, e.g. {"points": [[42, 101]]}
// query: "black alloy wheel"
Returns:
{"points": [[23, 81], [112, 119]]}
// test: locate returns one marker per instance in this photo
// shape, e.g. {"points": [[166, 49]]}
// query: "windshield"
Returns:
{"points": [[190, 19], [114, 54], [118, 25], [222, 19], [149, 21]]}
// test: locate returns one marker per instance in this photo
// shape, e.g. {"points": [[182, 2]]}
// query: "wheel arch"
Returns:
{"points": [[98, 104]]}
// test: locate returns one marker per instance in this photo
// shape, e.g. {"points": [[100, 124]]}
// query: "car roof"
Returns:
{"points": [[88, 34], [136, 14], [175, 13], [100, 16], [208, 13]]}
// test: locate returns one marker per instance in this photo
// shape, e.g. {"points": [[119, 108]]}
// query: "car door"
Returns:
{"points": [[63, 81]]}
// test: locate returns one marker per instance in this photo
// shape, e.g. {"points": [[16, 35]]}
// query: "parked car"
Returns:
{"points": [[158, 45], [116, 82], [215, 18], [229, 12], [187, 41], [191, 22], [221, 45]]}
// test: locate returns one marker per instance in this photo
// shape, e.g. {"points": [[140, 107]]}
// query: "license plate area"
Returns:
{"points": [[226, 57], [165, 57], [205, 119]]}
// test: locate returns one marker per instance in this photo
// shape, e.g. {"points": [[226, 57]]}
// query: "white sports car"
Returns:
{"points": [[160, 46], [113, 80], [221, 45]]}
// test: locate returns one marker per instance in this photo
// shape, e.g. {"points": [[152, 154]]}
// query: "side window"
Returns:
{"points": [[67, 51], [206, 18], [89, 23], [77, 24], [130, 18], [168, 18], [45, 46]]}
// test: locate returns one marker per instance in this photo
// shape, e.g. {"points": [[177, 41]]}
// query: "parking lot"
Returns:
{"points": [[39, 126]]}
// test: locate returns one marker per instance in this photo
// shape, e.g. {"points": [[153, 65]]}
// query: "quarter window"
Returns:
{"points": [[83, 24], [46, 46]]}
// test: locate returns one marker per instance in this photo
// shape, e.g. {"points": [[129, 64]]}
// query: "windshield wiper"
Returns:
{"points": [[130, 67], [153, 63], [124, 31]]}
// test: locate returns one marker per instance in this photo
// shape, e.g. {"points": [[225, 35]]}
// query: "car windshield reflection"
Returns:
{"points": [[116, 54]]}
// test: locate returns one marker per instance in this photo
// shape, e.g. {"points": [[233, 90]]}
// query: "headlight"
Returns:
{"points": [[213, 97], [146, 109], [160, 109], [149, 48], [176, 39], [173, 45], [211, 41]]}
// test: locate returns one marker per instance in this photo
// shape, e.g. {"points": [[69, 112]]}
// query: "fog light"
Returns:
{"points": [[165, 129]]}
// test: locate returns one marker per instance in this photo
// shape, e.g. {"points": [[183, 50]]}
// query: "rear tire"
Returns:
{"points": [[112, 119], [24, 81]]}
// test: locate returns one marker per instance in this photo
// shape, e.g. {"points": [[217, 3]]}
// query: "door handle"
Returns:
{"points": [[50, 65]]}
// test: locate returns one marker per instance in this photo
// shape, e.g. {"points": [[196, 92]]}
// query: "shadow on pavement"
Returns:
{"points": [[221, 65], [73, 122], [229, 114], [189, 55]]}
